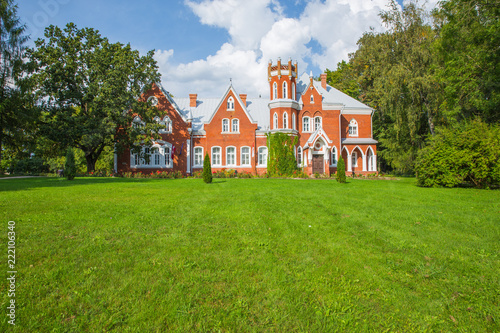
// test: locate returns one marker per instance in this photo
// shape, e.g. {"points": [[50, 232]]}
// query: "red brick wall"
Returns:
{"points": [[177, 138]]}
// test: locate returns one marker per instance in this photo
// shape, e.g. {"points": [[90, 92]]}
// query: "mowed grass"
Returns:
{"points": [[251, 255]]}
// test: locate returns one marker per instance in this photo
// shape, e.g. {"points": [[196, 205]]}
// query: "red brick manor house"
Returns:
{"points": [[232, 129]]}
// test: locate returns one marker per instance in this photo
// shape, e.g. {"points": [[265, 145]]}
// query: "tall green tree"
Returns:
{"points": [[469, 48], [395, 73], [90, 91], [13, 111]]}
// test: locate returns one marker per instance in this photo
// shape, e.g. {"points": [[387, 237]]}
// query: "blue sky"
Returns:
{"points": [[201, 44]]}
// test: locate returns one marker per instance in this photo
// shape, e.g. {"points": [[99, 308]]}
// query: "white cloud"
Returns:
{"points": [[259, 31]]}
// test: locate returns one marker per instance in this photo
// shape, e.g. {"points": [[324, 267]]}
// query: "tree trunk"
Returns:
{"points": [[90, 162]]}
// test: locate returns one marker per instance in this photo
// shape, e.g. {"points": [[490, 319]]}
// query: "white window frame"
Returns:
{"points": [[167, 150], [137, 122], [354, 159], [230, 156], [198, 155], [245, 157], [216, 162], [275, 122], [157, 160], [353, 127], [167, 123], [293, 91], [299, 156], [333, 156], [230, 103], [294, 122], [225, 125], [285, 90], [262, 162], [236, 122], [312, 99], [275, 90], [285, 119], [318, 124], [304, 129]]}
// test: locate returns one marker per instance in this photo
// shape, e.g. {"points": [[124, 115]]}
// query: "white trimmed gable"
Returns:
{"points": [[230, 91]]}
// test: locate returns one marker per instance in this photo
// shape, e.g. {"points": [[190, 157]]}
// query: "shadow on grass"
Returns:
{"points": [[22, 184]]}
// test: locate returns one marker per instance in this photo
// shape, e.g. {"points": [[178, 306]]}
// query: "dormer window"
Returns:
{"points": [[312, 99], [230, 103], [285, 90], [353, 128]]}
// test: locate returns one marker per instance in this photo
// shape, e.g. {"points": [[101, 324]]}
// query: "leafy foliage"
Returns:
{"points": [[340, 176], [207, 169], [281, 157], [14, 118], [470, 153], [88, 86], [468, 48], [69, 166]]}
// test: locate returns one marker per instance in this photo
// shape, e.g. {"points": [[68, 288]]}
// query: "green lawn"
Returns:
{"points": [[251, 255]]}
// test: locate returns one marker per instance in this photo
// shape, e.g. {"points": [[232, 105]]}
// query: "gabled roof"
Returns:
{"points": [[315, 135], [186, 116], [330, 95]]}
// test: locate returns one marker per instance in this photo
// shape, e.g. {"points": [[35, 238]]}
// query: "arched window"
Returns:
{"points": [[312, 99], [236, 125], [216, 156], [285, 90], [230, 103], [225, 125], [245, 156], [198, 156], [155, 152], [167, 123], [275, 90], [293, 121], [353, 127], [317, 123], [262, 156], [230, 156], [299, 156], [285, 120], [293, 91], [354, 159], [333, 160], [275, 120], [137, 122], [305, 124]]}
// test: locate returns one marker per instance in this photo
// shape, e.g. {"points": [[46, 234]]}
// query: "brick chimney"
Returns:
{"points": [[323, 80], [243, 98], [192, 100]]}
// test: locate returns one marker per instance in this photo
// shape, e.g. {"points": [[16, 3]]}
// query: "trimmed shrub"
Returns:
{"points": [[467, 154], [207, 170], [69, 166], [340, 176]]}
